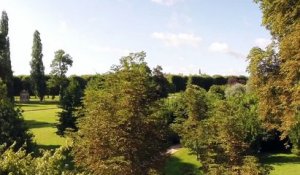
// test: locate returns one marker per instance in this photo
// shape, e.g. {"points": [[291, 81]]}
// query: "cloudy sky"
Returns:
{"points": [[182, 36]]}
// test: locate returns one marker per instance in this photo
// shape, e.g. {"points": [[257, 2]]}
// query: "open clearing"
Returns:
{"points": [[41, 119]]}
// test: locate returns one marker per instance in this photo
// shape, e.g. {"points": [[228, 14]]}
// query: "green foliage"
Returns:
{"points": [[280, 17], [264, 70], [217, 92], [6, 73], [37, 72], [221, 131], [202, 81], [121, 132], [179, 82], [235, 90], [70, 102], [12, 127], [280, 103], [21, 163], [162, 84], [59, 67]]}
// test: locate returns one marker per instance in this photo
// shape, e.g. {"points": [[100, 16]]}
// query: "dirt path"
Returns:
{"points": [[173, 149]]}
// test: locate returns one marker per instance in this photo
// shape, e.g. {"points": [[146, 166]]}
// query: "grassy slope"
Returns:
{"points": [[282, 163], [41, 119]]}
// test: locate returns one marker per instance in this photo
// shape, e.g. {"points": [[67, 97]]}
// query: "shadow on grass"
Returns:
{"points": [[175, 166], [281, 159], [36, 124], [48, 147], [31, 103]]}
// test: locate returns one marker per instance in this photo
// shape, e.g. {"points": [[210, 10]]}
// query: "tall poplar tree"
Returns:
{"points": [[6, 73], [37, 72]]}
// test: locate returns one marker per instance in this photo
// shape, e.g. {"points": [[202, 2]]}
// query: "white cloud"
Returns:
{"points": [[220, 47], [175, 40], [107, 49], [262, 42], [166, 2]]}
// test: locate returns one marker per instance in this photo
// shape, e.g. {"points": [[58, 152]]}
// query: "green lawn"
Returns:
{"points": [[41, 119], [182, 161], [283, 164]]}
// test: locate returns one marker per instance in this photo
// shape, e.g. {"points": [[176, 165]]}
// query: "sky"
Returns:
{"points": [[182, 36]]}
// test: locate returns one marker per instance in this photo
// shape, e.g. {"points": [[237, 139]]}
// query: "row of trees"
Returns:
{"points": [[169, 83]]}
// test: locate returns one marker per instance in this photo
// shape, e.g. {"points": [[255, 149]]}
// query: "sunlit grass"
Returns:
{"points": [[283, 164], [41, 118], [182, 162]]}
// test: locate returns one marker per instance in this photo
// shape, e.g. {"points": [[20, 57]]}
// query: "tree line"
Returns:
{"points": [[174, 83]]}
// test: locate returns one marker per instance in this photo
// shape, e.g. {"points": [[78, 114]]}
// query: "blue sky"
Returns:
{"points": [[182, 36]]}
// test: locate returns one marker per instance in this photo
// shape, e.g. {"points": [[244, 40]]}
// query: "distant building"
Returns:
{"points": [[24, 96]]}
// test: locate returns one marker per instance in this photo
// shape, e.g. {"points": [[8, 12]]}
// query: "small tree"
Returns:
{"points": [[37, 72], [60, 66], [70, 103]]}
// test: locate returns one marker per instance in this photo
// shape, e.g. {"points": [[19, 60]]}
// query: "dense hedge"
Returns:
{"points": [[177, 82]]}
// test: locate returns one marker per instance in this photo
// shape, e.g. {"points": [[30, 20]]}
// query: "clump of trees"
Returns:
{"points": [[122, 132], [12, 126], [274, 71], [223, 130]]}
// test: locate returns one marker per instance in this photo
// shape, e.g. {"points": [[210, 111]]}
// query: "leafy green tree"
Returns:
{"points": [[121, 132], [235, 90], [49, 163], [12, 126], [6, 73], [37, 72], [282, 19], [264, 69], [70, 103], [60, 66], [197, 109]]}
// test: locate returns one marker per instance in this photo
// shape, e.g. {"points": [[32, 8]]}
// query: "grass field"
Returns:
{"points": [[283, 164], [41, 119]]}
